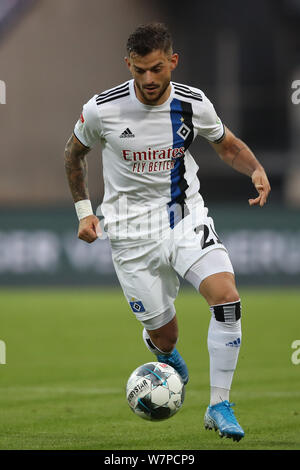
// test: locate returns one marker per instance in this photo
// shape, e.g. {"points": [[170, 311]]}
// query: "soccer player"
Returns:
{"points": [[154, 215]]}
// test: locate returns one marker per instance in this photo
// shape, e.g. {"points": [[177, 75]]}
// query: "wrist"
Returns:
{"points": [[258, 167], [83, 208]]}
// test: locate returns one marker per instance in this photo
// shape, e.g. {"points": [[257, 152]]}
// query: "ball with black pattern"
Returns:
{"points": [[155, 391]]}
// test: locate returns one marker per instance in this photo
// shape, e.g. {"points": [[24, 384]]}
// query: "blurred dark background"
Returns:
{"points": [[244, 55], [55, 54]]}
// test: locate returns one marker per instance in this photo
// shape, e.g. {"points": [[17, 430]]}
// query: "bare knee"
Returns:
{"points": [[219, 288], [225, 297]]}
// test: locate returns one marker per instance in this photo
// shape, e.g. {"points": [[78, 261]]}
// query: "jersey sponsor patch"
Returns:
{"points": [[137, 306]]}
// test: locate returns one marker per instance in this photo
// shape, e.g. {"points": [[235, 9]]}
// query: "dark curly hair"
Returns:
{"points": [[149, 37]]}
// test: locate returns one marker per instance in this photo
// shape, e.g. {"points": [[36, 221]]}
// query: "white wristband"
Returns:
{"points": [[83, 208]]}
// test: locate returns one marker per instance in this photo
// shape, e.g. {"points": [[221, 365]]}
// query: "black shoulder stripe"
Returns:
{"points": [[115, 93], [121, 95], [185, 89], [107, 93], [191, 92], [192, 97]]}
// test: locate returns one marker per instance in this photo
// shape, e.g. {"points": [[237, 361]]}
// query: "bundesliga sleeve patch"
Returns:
{"points": [[137, 306]]}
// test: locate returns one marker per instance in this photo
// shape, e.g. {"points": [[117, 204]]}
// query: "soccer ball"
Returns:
{"points": [[155, 391]]}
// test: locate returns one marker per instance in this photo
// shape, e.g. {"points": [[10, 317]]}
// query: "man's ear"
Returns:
{"points": [[174, 61], [127, 61]]}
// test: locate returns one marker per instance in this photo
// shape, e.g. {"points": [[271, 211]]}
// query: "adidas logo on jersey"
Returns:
{"points": [[127, 133]]}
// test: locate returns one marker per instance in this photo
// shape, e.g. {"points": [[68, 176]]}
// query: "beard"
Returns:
{"points": [[153, 99]]}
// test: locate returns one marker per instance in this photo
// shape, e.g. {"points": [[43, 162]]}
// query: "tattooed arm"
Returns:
{"points": [[235, 153], [76, 170]]}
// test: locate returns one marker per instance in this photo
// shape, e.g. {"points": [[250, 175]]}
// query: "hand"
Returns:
{"points": [[89, 229], [262, 185]]}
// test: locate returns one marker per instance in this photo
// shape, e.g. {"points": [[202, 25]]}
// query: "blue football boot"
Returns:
{"points": [[175, 360], [221, 417]]}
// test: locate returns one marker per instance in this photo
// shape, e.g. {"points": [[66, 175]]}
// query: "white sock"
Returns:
{"points": [[224, 339], [218, 394]]}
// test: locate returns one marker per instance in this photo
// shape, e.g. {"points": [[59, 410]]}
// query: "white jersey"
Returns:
{"points": [[147, 167]]}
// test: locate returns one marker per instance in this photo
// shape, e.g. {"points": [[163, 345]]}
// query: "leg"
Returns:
{"points": [[165, 337], [219, 288], [224, 340], [212, 277], [162, 341], [224, 334], [151, 285]]}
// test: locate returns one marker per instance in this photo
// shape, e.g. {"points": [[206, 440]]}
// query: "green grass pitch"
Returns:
{"points": [[69, 353]]}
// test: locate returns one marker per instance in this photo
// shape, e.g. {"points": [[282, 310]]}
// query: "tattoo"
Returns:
{"points": [[76, 168], [237, 150]]}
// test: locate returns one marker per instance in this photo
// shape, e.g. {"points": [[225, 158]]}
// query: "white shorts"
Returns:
{"points": [[148, 269]]}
